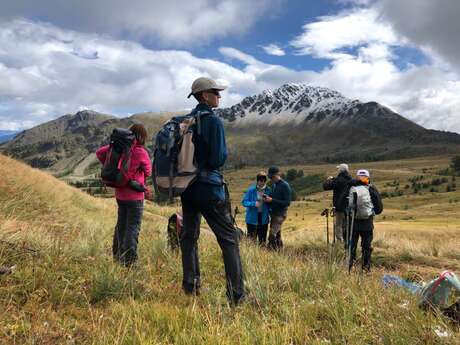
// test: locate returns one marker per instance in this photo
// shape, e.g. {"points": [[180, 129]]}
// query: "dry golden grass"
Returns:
{"points": [[426, 225], [71, 292]]}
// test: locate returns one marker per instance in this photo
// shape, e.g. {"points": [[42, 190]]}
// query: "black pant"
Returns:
{"points": [[127, 230], [364, 229], [258, 231], [220, 222]]}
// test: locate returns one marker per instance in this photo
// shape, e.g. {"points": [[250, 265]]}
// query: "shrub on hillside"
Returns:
{"points": [[455, 164], [438, 181], [293, 174], [308, 184]]}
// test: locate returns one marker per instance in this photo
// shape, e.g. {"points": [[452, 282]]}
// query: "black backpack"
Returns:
{"points": [[114, 172], [174, 231]]}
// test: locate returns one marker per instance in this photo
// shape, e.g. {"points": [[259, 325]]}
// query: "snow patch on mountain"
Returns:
{"points": [[291, 103]]}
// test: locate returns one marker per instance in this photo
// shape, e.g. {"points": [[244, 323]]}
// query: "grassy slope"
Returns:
{"points": [[71, 292], [415, 230]]}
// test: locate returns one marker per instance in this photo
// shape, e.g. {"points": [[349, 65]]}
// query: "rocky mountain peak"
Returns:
{"points": [[86, 118], [291, 101], [84, 115]]}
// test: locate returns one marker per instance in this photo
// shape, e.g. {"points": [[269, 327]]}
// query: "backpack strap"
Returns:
{"points": [[197, 117], [438, 282]]}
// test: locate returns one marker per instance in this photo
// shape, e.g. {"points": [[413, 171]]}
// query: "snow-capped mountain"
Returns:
{"points": [[315, 108], [290, 102], [293, 124], [298, 122]]}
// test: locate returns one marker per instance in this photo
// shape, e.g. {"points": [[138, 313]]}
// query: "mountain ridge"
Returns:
{"points": [[295, 123], [302, 122]]}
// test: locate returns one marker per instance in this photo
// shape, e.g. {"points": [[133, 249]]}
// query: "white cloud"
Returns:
{"points": [[47, 72], [172, 22], [233, 53], [360, 44], [273, 49], [330, 36]]}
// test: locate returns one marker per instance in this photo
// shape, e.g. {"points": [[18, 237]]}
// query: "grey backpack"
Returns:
{"points": [[364, 208], [174, 165]]}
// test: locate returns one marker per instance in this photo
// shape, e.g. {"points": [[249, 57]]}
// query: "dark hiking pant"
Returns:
{"points": [[220, 222], [274, 239], [127, 230], [364, 229], [258, 231]]}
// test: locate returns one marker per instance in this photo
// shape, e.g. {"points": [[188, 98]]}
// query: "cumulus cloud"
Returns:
{"points": [[172, 21], [47, 71], [262, 75], [360, 44], [273, 49], [329, 36]]}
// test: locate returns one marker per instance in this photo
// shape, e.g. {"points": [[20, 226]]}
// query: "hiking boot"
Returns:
{"points": [[191, 289], [236, 300], [366, 268]]}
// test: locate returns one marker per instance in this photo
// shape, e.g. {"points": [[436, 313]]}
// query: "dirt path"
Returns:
{"points": [[79, 170]]}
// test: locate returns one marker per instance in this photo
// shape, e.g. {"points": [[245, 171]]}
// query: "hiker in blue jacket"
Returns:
{"points": [[257, 211], [206, 196]]}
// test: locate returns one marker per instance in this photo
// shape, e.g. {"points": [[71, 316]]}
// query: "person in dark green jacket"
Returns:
{"points": [[279, 201]]}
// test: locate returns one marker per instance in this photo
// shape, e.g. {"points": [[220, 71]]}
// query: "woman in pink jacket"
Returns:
{"points": [[130, 202]]}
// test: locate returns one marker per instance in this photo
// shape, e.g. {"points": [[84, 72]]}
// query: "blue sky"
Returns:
{"points": [[121, 58], [278, 28]]}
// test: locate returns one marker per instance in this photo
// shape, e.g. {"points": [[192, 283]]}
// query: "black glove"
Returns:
{"points": [[134, 185]]}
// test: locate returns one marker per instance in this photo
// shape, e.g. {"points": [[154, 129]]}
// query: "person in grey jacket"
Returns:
{"points": [[279, 202], [364, 212], [339, 186]]}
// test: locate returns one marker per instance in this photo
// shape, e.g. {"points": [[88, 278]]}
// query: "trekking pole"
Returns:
{"points": [[332, 214], [350, 244], [23, 247], [325, 213], [347, 227]]}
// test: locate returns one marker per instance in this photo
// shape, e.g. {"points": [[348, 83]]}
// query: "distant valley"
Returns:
{"points": [[7, 135]]}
